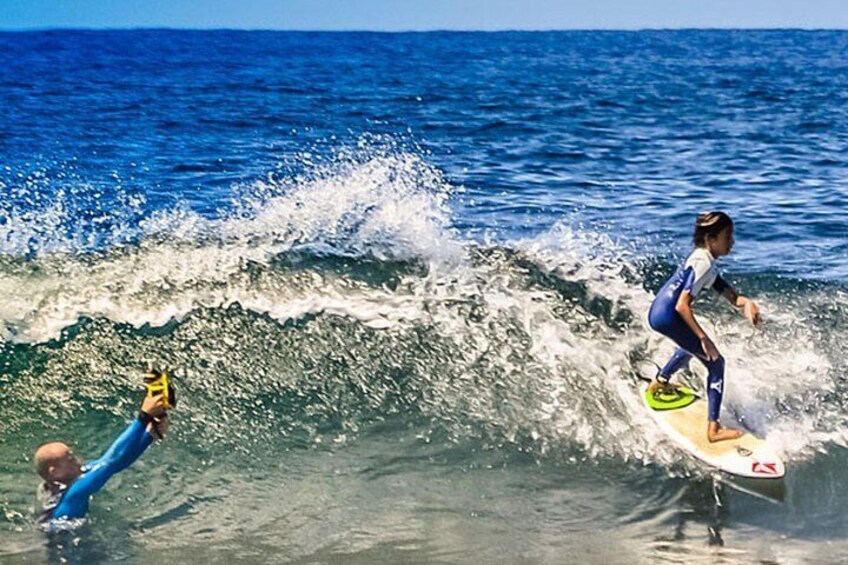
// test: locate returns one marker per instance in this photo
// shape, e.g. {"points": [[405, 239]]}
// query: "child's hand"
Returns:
{"points": [[751, 311], [710, 350]]}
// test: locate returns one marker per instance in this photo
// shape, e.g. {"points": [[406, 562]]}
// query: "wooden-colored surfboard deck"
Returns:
{"points": [[747, 456]]}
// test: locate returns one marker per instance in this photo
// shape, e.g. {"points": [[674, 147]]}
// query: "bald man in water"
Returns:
{"points": [[69, 483]]}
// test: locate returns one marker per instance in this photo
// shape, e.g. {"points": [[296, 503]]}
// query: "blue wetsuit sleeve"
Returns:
{"points": [[120, 455], [720, 285], [126, 448], [689, 279]]}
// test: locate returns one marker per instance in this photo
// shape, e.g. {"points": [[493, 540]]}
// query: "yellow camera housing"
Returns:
{"points": [[157, 383]]}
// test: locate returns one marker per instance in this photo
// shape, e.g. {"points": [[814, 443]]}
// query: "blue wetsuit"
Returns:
{"points": [[72, 503], [696, 274]]}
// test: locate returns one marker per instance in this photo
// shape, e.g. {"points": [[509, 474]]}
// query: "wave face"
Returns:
{"points": [[383, 338]]}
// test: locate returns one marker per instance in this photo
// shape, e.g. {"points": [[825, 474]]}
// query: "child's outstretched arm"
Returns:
{"points": [[749, 308]]}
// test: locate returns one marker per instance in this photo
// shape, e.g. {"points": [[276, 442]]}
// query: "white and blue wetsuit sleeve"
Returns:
{"points": [[120, 455], [698, 273]]}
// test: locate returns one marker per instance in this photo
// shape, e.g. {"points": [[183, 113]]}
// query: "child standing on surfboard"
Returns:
{"points": [[671, 314]]}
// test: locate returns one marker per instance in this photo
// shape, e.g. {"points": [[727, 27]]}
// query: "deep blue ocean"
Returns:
{"points": [[402, 281]]}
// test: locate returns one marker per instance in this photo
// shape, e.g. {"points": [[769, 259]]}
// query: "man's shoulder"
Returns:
{"points": [[48, 501]]}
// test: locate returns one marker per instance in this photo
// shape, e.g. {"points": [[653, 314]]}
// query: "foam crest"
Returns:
{"points": [[388, 206], [50, 210], [31, 231], [531, 343], [391, 207]]}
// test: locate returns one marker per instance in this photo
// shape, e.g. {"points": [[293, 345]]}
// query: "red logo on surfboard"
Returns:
{"points": [[764, 468]]}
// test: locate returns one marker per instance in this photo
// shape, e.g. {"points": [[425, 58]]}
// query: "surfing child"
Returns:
{"points": [[671, 314], [68, 483]]}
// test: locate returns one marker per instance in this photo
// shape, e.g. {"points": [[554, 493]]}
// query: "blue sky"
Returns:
{"points": [[397, 15]]}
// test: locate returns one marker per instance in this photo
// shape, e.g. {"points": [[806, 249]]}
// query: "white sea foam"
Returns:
{"points": [[389, 208], [531, 360]]}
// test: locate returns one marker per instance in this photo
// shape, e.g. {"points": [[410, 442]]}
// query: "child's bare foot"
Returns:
{"points": [[658, 386], [716, 432]]}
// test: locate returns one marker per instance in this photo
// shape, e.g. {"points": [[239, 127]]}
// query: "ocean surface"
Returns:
{"points": [[402, 282]]}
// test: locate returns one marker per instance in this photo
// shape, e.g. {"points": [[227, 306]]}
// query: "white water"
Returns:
{"points": [[529, 361]]}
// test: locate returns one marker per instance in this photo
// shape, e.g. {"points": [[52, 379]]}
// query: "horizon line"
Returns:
{"points": [[411, 30]]}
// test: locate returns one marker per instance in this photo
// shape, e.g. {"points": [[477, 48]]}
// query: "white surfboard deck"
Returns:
{"points": [[747, 456]]}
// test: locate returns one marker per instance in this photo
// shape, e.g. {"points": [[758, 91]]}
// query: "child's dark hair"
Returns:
{"points": [[709, 223]]}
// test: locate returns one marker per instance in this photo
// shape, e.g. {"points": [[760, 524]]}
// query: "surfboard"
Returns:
{"points": [[682, 415]]}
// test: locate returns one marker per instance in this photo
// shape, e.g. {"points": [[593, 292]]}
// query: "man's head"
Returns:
{"points": [[56, 463]]}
